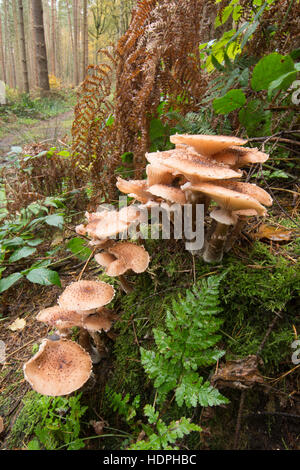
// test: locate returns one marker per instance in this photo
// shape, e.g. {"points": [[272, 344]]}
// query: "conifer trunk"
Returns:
{"points": [[40, 44], [23, 48]]}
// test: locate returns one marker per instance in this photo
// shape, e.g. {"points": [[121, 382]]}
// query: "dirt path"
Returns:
{"points": [[50, 129]]}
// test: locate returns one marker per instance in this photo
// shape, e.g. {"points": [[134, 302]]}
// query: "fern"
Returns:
{"points": [[163, 436], [188, 345]]}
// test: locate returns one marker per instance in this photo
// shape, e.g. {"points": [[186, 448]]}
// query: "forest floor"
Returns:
{"points": [[49, 130]]}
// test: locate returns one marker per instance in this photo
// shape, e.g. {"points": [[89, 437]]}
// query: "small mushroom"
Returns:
{"points": [[169, 193], [123, 257], [58, 368], [86, 297], [229, 200]]}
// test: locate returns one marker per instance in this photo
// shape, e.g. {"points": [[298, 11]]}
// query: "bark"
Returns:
{"points": [[76, 41], [53, 37], [23, 48], [40, 44], [3, 68], [85, 38], [17, 43]]}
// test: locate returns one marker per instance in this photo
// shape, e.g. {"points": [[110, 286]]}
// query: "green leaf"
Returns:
{"points": [[78, 247], [270, 68], [9, 281], [55, 220], [33, 445], [64, 153], [44, 277], [233, 99], [17, 241], [283, 82], [21, 253], [35, 242]]}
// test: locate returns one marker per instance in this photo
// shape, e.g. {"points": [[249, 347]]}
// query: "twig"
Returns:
{"points": [[239, 420], [86, 264]]}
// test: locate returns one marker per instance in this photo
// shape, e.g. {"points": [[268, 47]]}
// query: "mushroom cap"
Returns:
{"points": [[104, 259], [99, 321], [224, 216], [201, 170], [59, 317], [85, 296], [159, 174], [239, 156], [251, 189], [207, 145], [227, 198], [58, 368], [169, 193], [132, 256], [112, 222], [135, 188]]}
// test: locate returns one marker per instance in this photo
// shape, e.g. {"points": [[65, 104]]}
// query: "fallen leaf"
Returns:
{"points": [[18, 324], [275, 234], [240, 374]]}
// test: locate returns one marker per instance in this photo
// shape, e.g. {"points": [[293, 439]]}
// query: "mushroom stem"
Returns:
{"points": [[213, 252], [235, 234], [125, 285]]}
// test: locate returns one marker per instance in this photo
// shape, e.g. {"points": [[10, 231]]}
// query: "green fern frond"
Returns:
{"points": [[189, 344]]}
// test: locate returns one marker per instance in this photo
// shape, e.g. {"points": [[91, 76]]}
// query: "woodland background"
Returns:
{"points": [[90, 88]]}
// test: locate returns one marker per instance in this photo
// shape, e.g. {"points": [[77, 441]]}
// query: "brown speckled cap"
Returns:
{"points": [[134, 188], [207, 145], [169, 193], [135, 257], [227, 198], [58, 368], [99, 321], [86, 296], [240, 156], [59, 317], [251, 189], [195, 169]]}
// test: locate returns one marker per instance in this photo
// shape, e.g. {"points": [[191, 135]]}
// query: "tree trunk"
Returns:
{"points": [[40, 45], [23, 48], [85, 38], [53, 37], [17, 44], [2, 61], [33, 59], [76, 42]]}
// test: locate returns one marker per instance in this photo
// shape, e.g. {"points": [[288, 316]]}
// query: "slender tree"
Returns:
{"points": [[40, 44], [85, 38], [23, 47], [76, 25], [53, 37], [2, 59]]}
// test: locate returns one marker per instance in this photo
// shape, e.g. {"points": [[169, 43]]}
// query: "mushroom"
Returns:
{"points": [[169, 193], [58, 368], [229, 201], [237, 157], [123, 257], [138, 189], [86, 297], [106, 224], [207, 145]]}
